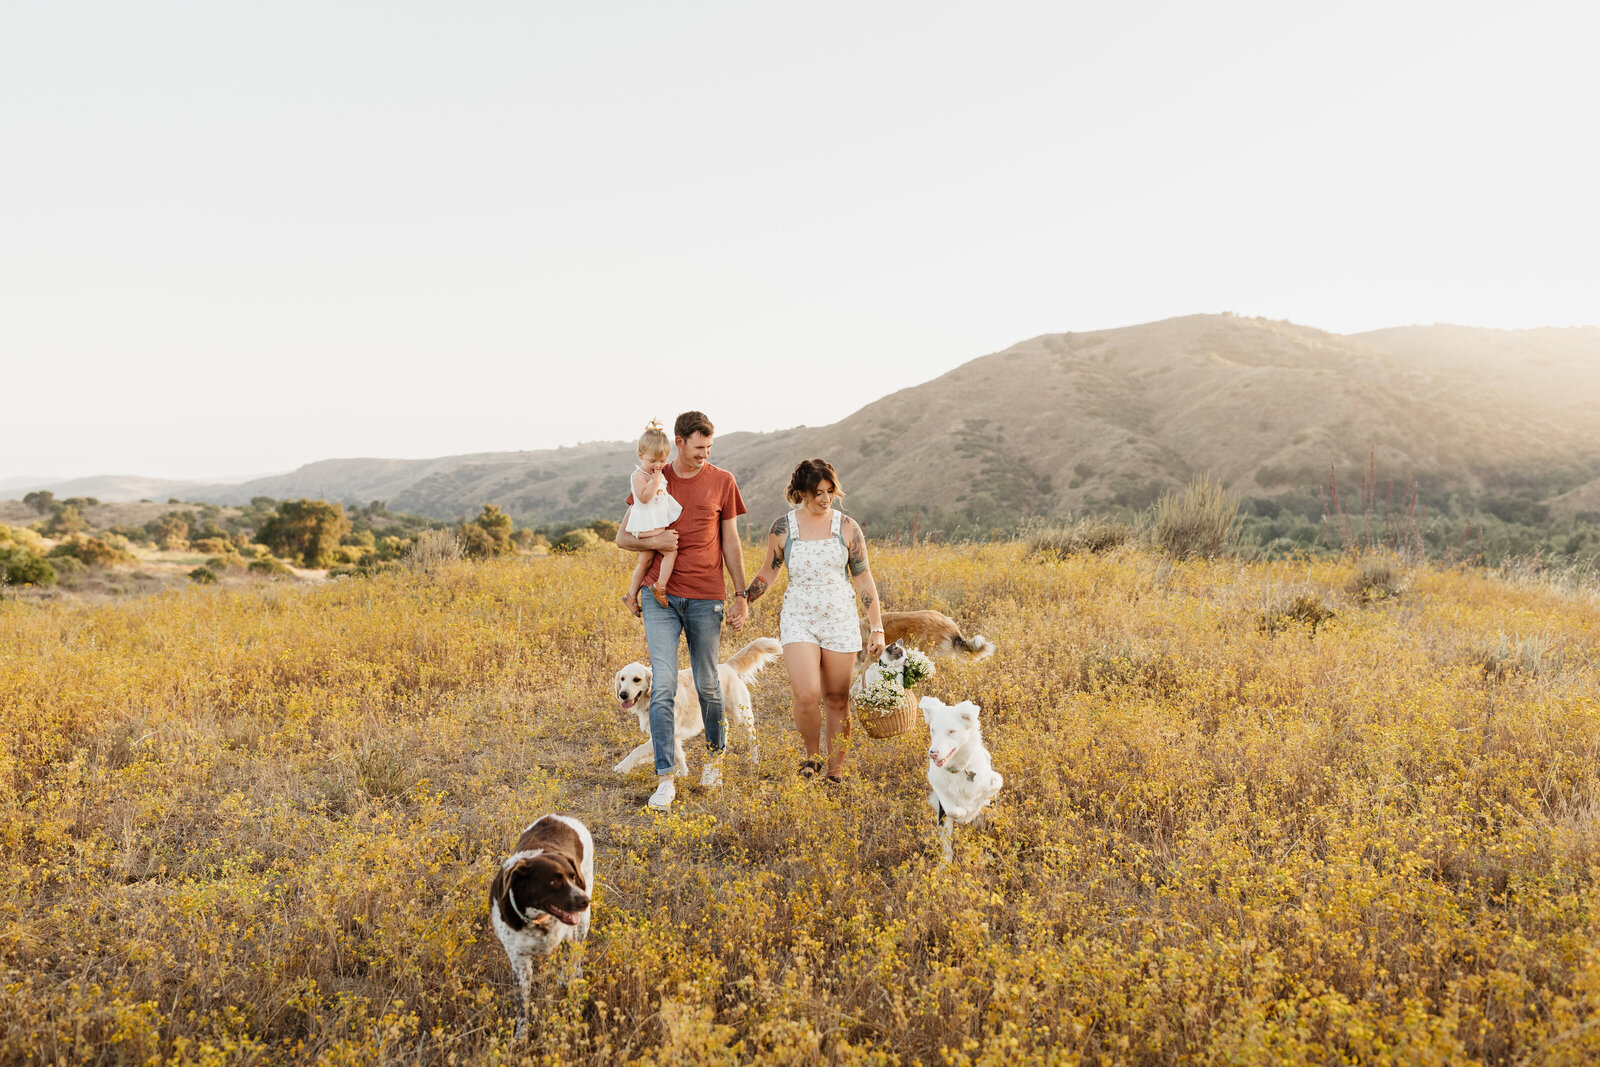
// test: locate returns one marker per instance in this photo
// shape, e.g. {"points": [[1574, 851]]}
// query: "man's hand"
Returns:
{"points": [[665, 541], [737, 613]]}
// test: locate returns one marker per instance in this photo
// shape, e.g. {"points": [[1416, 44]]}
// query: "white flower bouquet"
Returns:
{"points": [[883, 692]]}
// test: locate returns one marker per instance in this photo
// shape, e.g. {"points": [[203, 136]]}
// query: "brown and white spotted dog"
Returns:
{"points": [[540, 897]]}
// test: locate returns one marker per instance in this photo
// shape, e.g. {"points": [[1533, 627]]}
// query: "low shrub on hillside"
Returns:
{"points": [[1294, 609], [1089, 534], [1202, 522], [575, 541], [1502, 657], [1379, 576], [92, 551], [269, 567], [433, 549]]}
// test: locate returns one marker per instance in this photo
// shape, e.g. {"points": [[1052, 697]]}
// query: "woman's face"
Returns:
{"points": [[822, 495]]}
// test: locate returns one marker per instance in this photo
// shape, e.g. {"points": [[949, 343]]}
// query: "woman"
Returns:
{"points": [[821, 633]]}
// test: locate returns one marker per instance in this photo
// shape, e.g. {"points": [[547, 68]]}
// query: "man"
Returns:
{"points": [[706, 536]]}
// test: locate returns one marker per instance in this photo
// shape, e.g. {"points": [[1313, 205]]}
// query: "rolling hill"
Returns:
{"points": [[1067, 421]]}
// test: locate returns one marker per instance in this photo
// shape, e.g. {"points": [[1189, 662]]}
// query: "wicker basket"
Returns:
{"points": [[895, 722]]}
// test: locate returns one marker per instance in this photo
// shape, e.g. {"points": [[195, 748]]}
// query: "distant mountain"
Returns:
{"points": [[1557, 367], [112, 488], [1068, 421]]}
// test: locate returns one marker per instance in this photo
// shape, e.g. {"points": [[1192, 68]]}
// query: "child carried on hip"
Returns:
{"points": [[653, 511]]}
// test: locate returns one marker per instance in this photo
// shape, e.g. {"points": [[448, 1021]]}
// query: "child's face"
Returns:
{"points": [[652, 464]]}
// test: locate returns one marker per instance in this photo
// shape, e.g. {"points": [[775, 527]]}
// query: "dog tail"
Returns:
{"points": [[748, 661], [977, 646]]}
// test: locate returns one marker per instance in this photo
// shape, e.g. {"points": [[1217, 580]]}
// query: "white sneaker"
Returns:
{"points": [[665, 793], [711, 774]]}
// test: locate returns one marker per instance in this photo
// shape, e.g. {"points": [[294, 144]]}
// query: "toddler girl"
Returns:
{"points": [[653, 510]]}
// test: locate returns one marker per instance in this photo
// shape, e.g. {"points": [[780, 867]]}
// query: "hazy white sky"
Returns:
{"points": [[239, 237]]}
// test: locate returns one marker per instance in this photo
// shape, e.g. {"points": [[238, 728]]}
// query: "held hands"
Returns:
{"points": [[738, 613]]}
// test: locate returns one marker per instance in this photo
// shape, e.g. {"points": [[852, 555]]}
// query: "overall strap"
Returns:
{"points": [[791, 534], [838, 534]]}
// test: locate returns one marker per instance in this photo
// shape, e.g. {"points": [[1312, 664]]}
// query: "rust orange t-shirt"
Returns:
{"points": [[708, 499]]}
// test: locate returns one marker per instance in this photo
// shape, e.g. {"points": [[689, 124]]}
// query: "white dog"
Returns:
{"points": [[734, 676], [964, 781]]}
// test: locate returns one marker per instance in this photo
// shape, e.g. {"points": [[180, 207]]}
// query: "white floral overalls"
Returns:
{"points": [[819, 606]]}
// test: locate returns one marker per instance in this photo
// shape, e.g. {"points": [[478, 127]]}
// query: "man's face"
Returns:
{"points": [[694, 450]]}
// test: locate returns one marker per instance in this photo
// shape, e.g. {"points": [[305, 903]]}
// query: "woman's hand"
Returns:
{"points": [[875, 644]]}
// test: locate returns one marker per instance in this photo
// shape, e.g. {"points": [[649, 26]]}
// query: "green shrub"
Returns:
{"points": [[203, 576], [18, 566], [575, 541], [22, 537], [66, 521], [91, 551], [171, 530], [1202, 522], [269, 567]]}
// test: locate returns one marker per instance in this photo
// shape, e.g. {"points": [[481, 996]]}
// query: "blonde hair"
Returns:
{"points": [[654, 443]]}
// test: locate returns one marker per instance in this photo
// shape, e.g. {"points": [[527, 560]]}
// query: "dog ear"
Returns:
{"points": [[969, 711], [929, 705]]}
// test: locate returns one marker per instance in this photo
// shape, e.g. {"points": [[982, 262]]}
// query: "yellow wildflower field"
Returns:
{"points": [[257, 824]]}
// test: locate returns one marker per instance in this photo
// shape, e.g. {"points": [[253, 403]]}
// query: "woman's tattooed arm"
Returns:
{"points": [[857, 546], [769, 570]]}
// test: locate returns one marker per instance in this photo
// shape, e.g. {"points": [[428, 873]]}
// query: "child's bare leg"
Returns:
{"points": [[632, 599], [660, 590]]}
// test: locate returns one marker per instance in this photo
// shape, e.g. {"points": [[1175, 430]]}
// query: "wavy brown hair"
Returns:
{"points": [[810, 474]]}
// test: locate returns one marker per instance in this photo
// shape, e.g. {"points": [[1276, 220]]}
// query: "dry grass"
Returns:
{"points": [[256, 823]]}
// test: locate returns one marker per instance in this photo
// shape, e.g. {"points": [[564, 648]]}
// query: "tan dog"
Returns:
{"points": [[934, 632]]}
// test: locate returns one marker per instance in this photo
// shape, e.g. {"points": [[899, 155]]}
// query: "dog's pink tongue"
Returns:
{"points": [[565, 916]]}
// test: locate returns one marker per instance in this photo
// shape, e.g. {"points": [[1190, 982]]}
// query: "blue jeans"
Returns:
{"points": [[701, 622]]}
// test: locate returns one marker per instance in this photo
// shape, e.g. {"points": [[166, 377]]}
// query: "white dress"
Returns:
{"points": [[658, 513]]}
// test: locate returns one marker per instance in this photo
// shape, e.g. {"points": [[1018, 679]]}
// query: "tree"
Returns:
{"points": [[66, 521], [488, 535], [170, 531], [40, 501], [307, 530]]}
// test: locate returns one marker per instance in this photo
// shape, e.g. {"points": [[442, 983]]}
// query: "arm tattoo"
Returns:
{"points": [[858, 550], [867, 601], [777, 558], [778, 526], [757, 587]]}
